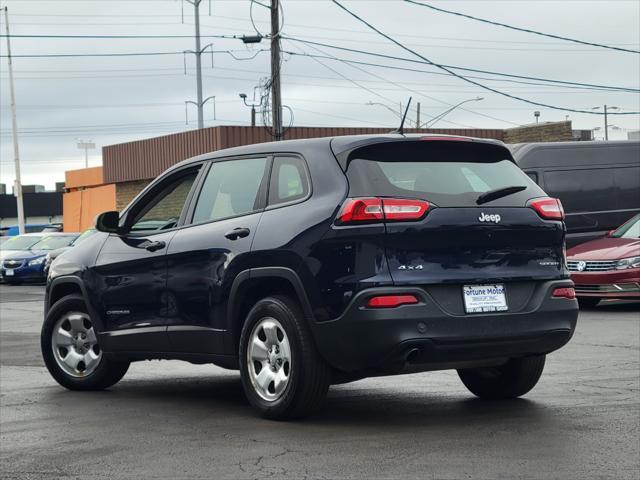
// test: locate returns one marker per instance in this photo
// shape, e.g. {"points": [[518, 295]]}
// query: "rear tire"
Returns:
{"points": [[513, 379], [70, 348], [588, 302], [276, 342]]}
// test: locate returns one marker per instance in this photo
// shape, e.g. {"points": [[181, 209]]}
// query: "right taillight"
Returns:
{"points": [[377, 210], [548, 208]]}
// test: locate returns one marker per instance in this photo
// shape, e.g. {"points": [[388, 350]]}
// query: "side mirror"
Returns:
{"points": [[108, 222]]}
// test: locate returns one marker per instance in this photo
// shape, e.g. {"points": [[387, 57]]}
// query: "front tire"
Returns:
{"points": [[283, 374], [513, 379], [70, 348]]}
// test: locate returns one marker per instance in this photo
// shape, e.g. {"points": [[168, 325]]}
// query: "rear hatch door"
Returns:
{"points": [[460, 240]]}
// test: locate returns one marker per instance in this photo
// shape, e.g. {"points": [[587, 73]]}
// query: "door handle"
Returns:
{"points": [[153, 246], [237, 233]]}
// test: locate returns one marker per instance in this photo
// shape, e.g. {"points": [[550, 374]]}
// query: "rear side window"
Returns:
{"points": [[289, 180], [231, 188], [447, 174]]}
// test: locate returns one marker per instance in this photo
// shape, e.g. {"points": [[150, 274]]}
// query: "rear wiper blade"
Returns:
{"points": [[498, 193]]}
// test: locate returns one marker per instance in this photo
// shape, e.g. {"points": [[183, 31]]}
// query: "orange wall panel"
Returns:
{"points": [[84, 177], [71, 204], [80, 208]]}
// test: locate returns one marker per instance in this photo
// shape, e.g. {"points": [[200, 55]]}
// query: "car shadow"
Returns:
{"points": [[218, 398]]}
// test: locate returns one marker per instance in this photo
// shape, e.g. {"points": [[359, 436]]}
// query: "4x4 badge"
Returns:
{"points": [[410, 267], [495, 218]]}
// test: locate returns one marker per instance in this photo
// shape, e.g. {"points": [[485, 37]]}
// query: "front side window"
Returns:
{"points": [[164, 208], [231, 188], [289, 181]]}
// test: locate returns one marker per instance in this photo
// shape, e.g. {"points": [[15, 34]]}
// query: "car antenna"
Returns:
{"points": [[400, 130]]}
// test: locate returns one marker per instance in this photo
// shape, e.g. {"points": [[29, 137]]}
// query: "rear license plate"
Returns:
{"points": [[8, 272], [484, 298]]}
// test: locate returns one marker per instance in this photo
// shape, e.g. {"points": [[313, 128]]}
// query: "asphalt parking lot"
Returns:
{"points": [[173, 420]]}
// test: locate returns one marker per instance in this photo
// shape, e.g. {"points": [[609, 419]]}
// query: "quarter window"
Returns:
{"points": [[289, 180], [231, 188]]}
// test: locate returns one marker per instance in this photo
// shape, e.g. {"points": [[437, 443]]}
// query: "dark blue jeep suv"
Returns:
{"points": [[310, 262]]}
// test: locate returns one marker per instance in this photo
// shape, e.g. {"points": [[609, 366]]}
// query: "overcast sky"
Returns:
{"points": [[117, 99]]}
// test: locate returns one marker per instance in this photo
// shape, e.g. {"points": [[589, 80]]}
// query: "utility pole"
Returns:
{"points": [[418, 116], [17, 188], [276, 98]]}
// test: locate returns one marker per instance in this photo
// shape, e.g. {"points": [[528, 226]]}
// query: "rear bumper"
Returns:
{"points": [[365, 339], [614, 284]]}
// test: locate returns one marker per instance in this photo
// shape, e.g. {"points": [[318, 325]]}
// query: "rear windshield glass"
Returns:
{"points": [[446, 175]]}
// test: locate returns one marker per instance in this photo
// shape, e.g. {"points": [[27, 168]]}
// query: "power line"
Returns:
{"points": [[294, 25], [237, 37], [309, 42], [423, 94], [455, 67], [473, 82], [130, 54], [519, 29], [150, 72]]}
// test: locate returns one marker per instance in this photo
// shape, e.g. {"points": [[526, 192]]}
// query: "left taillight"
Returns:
{"points": [[564, 292], [391, 301], [548, 208], [377, 210]]}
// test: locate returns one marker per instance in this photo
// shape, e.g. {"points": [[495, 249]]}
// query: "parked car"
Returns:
{"points": [[53, 227], [597, 182], [608, 267], [13, 230], [53, 254], [29, 264], [17, 244], [311, 262]]}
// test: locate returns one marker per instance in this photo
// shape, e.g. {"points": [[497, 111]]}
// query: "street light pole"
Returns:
{"points": [[606, 121], [253, 105], [17, 189], [198, 53], [86, 145], [437, 118]]}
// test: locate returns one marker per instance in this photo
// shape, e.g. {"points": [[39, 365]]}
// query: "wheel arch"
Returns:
{"points": [[256, 283], [69, 285]]}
